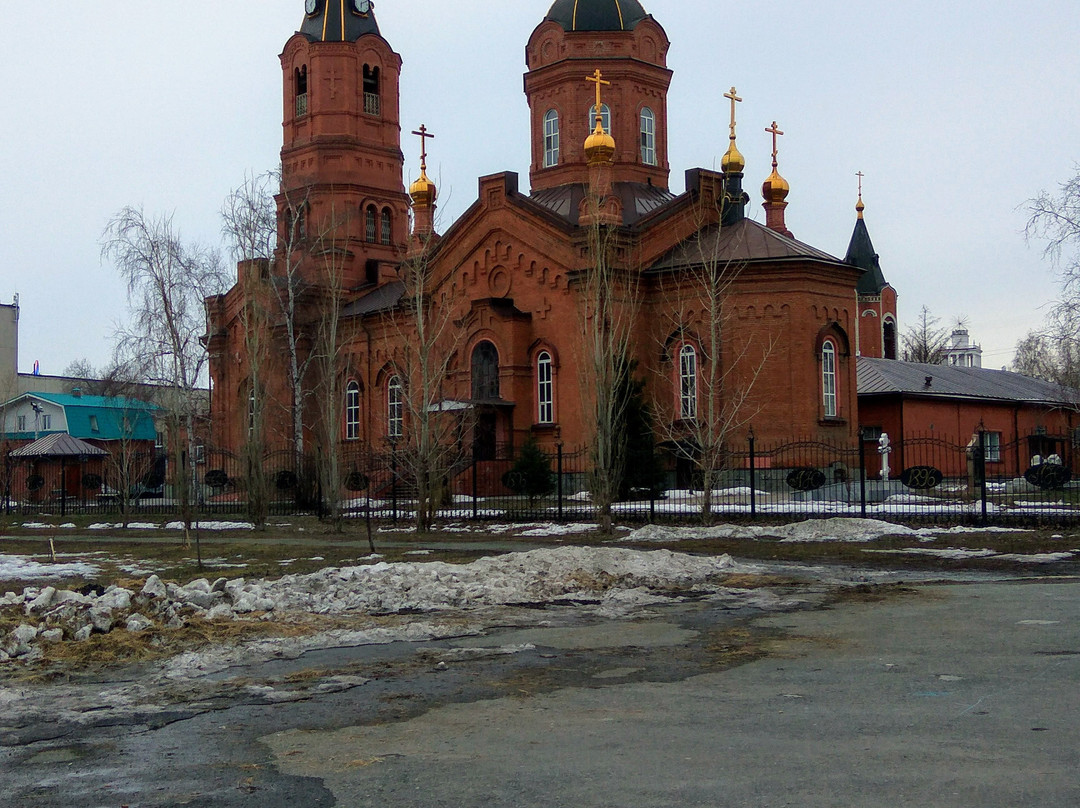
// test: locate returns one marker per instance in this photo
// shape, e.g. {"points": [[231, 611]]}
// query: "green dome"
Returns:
{"points": [[339, 21], [597, 15]]}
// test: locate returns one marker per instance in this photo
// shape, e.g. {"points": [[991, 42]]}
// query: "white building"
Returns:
{"points": [[962, 352]]}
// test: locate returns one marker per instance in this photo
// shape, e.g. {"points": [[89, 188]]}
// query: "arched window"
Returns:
{"points": [[370, 224], [384, 227], [485, 372], [648, 137], [545, 389], [828, 378], [352, 411], [551, 138], [888, 338], [372, 103], [605, 117], [688, 383], [395, 408], [300, 81]]}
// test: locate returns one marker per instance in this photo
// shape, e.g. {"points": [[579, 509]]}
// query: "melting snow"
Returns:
{"points": [[20, 567]]}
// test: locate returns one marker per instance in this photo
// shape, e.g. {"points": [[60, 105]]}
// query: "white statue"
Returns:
{"points": [[884, 448]]}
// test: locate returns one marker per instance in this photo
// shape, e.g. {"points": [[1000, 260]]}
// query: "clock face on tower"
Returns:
{"points": [[311, 5]]}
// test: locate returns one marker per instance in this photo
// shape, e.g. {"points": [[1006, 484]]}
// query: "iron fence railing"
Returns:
{"points": [[922, 477]]}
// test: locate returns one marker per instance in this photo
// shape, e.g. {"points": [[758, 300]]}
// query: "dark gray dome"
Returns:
{"points": [[338, 21], [597, 15]]}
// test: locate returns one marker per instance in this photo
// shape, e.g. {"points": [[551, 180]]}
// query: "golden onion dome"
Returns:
{"points": [[775, 189], [599, 146], [860, 207], [423, 191], [733, 162]]}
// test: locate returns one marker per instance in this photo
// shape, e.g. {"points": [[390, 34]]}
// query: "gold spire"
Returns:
{"points": [[859, 206], [423, 191], [776, 188], [733, 162], [599, 146]]}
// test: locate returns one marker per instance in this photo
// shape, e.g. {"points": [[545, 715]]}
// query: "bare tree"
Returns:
{"points": [[715, 365], [167, 281], [431, 336], [609, 298], [1052, 353], [925, 342]]}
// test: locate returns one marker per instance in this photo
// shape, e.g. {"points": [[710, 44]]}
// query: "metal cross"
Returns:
{"points": [[734, 98], [775, 131], [860, 175], [598, 79], [423, 134]]}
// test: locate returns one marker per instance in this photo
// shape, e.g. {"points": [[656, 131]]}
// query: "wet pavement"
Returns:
{"points": [[932, 695]]}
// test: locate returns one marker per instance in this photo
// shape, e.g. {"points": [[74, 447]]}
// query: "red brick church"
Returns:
{"points": [[510, 278]]}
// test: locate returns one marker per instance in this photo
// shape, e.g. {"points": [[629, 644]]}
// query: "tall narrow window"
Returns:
{"points": [[370, 224], [648, 137], [395, 408], [688, 383], [352, 411], [384, 227], [605, 117], [251, 412], [545, 392], [300, 80], [551, 138], [485, 372], [828, 378], [889, 338], [372, 103]]}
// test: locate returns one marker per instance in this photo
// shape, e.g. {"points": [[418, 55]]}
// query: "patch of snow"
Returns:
{"points": [[948, 553], [212, 526], [20, 567], [553, 529]]}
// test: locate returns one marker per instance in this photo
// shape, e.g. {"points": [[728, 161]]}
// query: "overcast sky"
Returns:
{"points": [[957, 112]]}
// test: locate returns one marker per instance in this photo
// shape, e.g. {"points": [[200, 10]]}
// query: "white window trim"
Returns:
{"points": [[605, 115], [352, 411], [395, 408], [828, 379], [545, 389], [688, 383], [551, 138], [648, 136]]}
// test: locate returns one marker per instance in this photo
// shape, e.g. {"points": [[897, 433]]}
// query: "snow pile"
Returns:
{"points": [[811, 530], [960, 554], [22, 568], [211, 526], [614, 578]]}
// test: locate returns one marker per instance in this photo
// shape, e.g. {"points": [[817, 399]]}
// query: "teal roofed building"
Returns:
{"points": [[91, 418]]}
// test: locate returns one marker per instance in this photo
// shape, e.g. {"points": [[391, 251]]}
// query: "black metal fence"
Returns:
{"points": [[922, 477]]}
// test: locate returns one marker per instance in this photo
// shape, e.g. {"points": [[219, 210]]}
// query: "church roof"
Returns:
{"points": [[638, 199], [860, 253], [338, 21], [597, 15], [59, 444], [745, 240], [382, 298], [890, 377]]}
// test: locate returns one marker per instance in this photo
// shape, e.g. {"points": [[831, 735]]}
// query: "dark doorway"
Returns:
{"points": [[484, 437]]}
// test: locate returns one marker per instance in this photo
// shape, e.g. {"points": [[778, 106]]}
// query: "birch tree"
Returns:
{"points": [[167, 281]]}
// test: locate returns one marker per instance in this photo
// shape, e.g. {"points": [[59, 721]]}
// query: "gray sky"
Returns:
{"points": [[957, 113]]}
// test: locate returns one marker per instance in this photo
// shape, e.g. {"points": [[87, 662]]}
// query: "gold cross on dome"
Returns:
{"points": [[423, 134], [598, 79], [775, 131], [734, 98]]}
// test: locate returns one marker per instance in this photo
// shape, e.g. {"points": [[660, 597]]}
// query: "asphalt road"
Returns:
{"points": [[955, 695]]}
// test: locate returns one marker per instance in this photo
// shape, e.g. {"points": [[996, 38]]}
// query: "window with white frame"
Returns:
{"points": [[384, 227], [545, 391], [21, 425], [993, 447], [395, 408], [551, 138], [605, 117], [370, 218], [46, 421], [352, 411], [648, 137], [251, 412], [828, 378], [688, 383]]}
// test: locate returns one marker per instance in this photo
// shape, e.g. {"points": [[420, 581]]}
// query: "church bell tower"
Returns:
{"points": [[342, 192]]}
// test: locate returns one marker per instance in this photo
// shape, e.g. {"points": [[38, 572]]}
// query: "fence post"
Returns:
{"points": [[558, 474], [753, 474], [393, 481], [980, 469], [475, 507], [862, 473]]}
